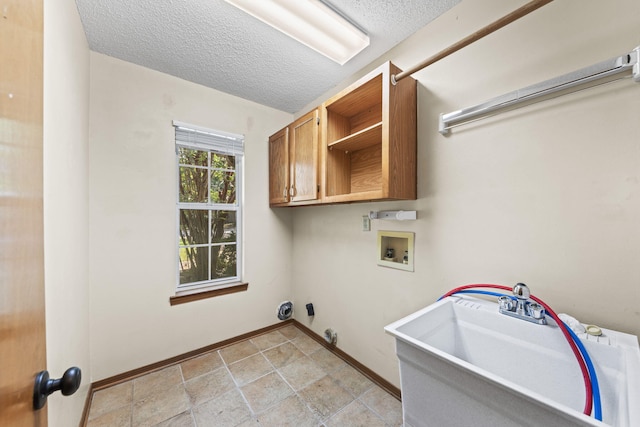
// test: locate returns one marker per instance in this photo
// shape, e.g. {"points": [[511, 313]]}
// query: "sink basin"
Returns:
{"points": [[463, 363]]}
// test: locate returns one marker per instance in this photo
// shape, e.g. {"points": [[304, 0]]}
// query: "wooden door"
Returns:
{"points": [[304, 157], [279, 167], [22, 321]]}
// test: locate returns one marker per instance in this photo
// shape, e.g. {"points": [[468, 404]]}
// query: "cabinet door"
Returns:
{"points": [[304, 158], [279, 167]]}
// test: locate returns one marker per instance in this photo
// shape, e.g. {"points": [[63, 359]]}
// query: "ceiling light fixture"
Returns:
{"points": [[312, 23]]}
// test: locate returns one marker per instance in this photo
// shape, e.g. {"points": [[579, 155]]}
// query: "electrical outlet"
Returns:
{"points": [[366, 223]]}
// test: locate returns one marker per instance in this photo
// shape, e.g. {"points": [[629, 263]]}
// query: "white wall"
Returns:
{"points": [[548, 195], [66, 203], [133, 229]]}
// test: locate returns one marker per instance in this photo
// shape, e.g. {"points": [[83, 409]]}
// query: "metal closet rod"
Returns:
{"points": [[602, 72], [485, 31]]}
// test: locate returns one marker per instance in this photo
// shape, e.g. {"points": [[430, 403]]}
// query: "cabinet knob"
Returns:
{"points": [[284, 193], [292, 191]]}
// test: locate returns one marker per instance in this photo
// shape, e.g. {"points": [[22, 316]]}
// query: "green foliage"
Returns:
{"points": [[207, 178]]}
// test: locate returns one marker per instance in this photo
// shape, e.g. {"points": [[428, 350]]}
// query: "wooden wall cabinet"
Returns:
{"points": [[363, 149], [293, 163], [369, 139]]}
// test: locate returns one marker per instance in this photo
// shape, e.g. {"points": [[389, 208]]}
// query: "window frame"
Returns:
{"points": [[211, 287]]}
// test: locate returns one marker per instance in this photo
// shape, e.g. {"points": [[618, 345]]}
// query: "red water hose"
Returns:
{"points": [[561, 325]]}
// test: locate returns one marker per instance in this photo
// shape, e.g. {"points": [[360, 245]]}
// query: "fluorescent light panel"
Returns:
{"points": [[310, 22]]}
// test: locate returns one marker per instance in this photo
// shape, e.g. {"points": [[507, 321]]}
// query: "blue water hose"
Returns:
{"points": [[597, 404], [595, 387]]}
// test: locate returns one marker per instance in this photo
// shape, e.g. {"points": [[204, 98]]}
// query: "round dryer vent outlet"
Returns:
{"points": [[331, 336], [285, 310]]}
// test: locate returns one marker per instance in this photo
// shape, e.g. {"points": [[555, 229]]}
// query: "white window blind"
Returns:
{"points": [[190, 136]]}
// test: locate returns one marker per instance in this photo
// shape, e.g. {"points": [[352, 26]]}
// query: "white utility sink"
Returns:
{"points": [[462, 363]]}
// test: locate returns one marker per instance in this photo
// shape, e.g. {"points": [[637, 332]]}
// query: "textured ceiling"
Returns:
{"points": [[214, 44]]}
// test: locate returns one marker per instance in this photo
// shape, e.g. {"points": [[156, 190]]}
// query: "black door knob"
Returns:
{"points": [[44, 386]]}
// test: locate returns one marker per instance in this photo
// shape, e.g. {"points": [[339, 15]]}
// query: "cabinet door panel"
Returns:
{"points": [[279, 167], [304, 158]]}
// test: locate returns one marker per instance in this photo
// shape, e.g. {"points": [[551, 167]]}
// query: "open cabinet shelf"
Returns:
{"points": [[359, 140], [369, 140]]}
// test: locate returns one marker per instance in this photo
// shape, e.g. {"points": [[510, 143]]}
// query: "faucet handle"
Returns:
{"points": [[521, 291], [536, 310], [506, 303]]}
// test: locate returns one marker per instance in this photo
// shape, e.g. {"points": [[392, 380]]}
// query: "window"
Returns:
{"points": [[209, 172]]}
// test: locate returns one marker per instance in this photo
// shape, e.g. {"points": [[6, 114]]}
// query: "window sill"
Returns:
{"points": [[182, 299]]}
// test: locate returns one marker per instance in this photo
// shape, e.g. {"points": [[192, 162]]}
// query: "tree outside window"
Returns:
{"points": [[208, 212]]}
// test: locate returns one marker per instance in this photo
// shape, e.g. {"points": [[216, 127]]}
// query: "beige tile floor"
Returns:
{"points": [[281, 378]]}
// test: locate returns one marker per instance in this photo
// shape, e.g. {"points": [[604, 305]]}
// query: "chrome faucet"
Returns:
{"points": [[521, 307]]}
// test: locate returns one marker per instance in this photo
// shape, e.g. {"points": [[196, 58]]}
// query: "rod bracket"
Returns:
{"points": [[635, 59], [393, 215], [442, 127]]}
